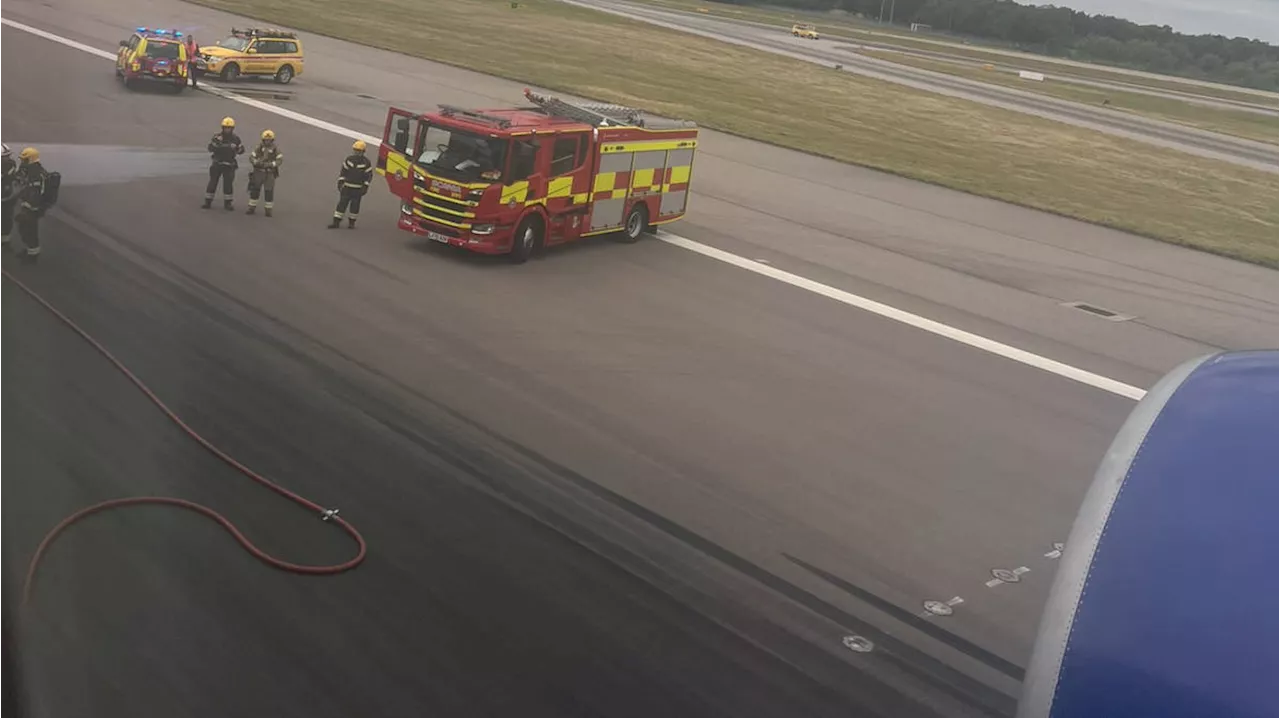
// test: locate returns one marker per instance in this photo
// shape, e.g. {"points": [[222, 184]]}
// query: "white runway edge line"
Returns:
{"points": [[868, 305]]}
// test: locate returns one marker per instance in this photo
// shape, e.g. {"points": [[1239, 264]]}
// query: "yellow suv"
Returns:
{"points": [[807, 32], [253, 52]]}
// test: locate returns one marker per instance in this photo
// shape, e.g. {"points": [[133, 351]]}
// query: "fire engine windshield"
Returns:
{"points": [[461, 155], [234, 43]]}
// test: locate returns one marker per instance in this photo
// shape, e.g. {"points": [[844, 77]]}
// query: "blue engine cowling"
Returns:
{"points": [[1165, 602]]}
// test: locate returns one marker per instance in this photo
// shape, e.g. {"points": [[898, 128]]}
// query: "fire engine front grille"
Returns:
{"points": [[432, 210], [443, 203]]}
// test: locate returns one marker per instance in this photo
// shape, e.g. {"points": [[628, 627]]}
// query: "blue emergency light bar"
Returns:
{"points": [[172, 33]]}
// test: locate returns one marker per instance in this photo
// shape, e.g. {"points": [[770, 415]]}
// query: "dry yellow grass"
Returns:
{"points": [[1161, 193]]}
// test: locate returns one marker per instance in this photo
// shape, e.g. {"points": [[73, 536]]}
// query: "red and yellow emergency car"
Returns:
{"points": [[153, 56]]}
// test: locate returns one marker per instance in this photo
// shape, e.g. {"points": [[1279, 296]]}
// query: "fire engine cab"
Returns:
{"points": [[511, 181]]}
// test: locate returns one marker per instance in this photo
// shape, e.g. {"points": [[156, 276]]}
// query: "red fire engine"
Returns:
{"points": [[513, 180]]}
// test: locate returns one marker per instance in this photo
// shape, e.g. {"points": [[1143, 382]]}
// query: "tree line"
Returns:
{"points": [[1063, 32]]}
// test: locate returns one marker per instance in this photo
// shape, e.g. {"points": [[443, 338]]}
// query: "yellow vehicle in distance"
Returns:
{"points": [[805, 32], [254, 52]]}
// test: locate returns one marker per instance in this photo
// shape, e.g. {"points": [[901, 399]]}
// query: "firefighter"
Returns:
{"points": [[265, 159], [224, 147], [353, 182], [31, 182], [10, 194]]}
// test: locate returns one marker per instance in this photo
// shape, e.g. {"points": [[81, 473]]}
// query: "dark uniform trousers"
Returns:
{"points": [[28, 221], [349, 201], [226, 171]]}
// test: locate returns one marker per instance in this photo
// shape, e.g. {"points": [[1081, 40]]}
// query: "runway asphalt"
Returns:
{"points": [[829, 52], [617, 480]]}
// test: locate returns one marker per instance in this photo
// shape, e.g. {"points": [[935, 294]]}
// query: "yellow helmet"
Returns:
{"points": [[268, 135], [358, 146], [228, 122], [30, 154]]}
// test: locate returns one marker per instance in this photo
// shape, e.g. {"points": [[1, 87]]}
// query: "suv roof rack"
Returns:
{"points": [[264, 32]]}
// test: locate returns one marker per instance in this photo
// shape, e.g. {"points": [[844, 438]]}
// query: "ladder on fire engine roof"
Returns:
{"points": [[598, 115]]}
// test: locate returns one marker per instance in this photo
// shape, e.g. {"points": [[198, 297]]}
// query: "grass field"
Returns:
{"points": [[1240, 123], [1161, 193], [851, 28]]}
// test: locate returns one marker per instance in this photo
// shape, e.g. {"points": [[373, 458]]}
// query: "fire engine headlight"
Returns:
{"points": [[482, 229], [405, 209], [475, 195]]}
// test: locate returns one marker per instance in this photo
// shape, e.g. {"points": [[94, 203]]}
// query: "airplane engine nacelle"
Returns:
{"points": [[1165, 601]]}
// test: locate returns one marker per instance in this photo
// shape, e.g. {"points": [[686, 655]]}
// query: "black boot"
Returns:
{"points": [[351, 223], [226, 204], [207, 204], [335, 223], [250, 210], [267, 211]]}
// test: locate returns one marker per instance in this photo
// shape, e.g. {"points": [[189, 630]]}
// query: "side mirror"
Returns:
{"points": [[124, 43]]}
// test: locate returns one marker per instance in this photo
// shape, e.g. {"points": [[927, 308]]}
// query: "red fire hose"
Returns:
{"points": [[327, 515]]}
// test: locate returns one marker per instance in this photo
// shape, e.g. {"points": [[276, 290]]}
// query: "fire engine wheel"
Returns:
{"points": [[284, 75], [231, 72], [637, 222], [527, 238]]}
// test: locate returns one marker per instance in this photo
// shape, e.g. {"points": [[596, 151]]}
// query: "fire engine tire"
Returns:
{"points": [[527, 239], [636, 223], [129, 83], [231, 72], [284, 75]]}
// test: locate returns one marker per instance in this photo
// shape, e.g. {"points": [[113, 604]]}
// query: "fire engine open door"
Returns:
{"points": [[395, 156]]}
